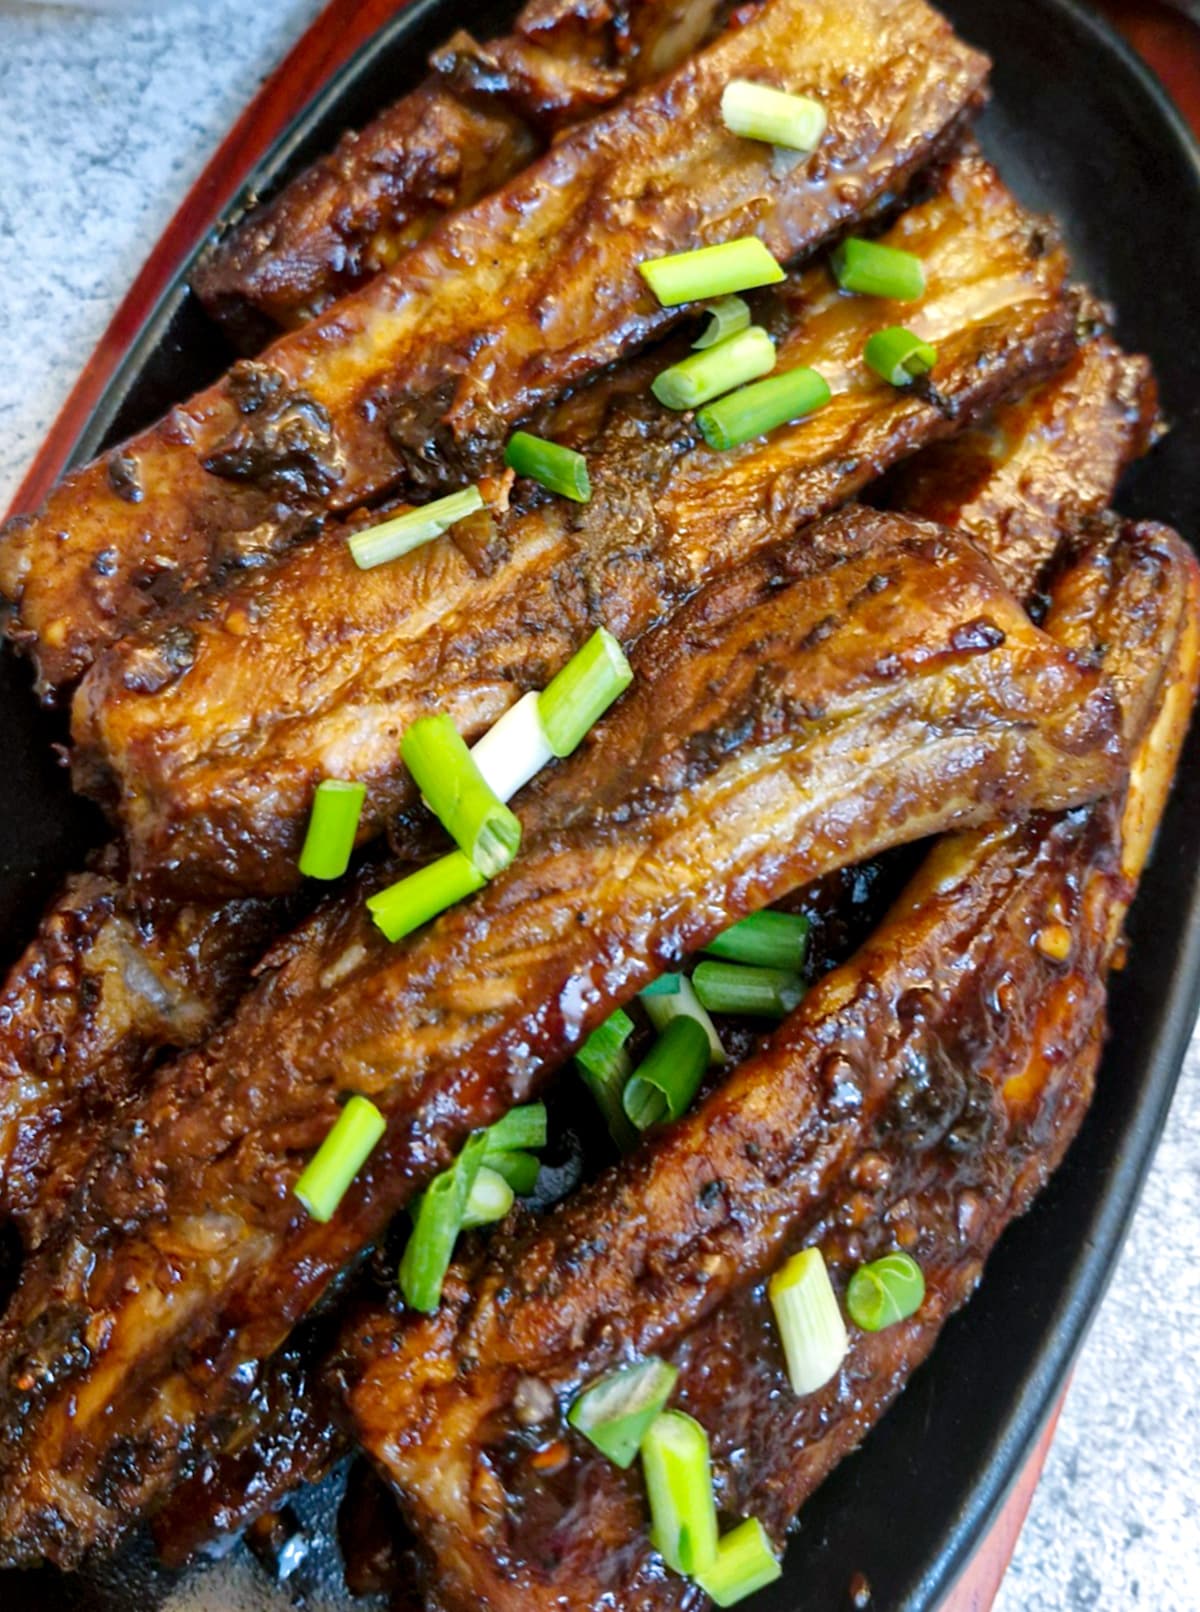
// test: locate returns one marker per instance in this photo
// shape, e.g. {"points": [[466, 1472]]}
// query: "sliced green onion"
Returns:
{"points": [[761, 113], [896, 355], [337, 806], [726, 316], [519, 1169], [439, 1220], [745, 1563], [766, 939], [668, 1077], [769, 993], [513, 749], [876, 270], [458, 795], [604, 1064], [683, 1514], [524, 1126], [809, 1321], [328, 1174], [756, 409], [490, 1198], [717, 369], [415, 899], [671, 997], [615, 1412], [390, 539], [885, 1291], [581, 693], [711, 271], [559, 469]]}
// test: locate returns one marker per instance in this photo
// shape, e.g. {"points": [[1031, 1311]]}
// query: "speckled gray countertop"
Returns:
{"points": [[106, 117]]}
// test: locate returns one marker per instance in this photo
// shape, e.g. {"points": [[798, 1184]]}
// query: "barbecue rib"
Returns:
{"points": [[211, 728], [917, 1098], [418, 378], [483, 113], [863, 685]]}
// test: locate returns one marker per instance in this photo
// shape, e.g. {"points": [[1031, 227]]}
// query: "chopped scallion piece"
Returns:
{"points": [[559, 469], [439, 1220], [615, 1412], [390, 539], [415, 899], [762, 113], [897, 356], [768, 993], [809, 1321], [885, 1291], [337, 806], [876, 270], [683, 1514], [490, 1198], [605, 1065], [668, 1077], [745, 1563], [704, 375], [513, 749], [519, 1169], [765, 939], [759, 408], [524, 1126], [581, 693], [726, 316], [711, 271], [480, 824], [324, 1180], [671, 997]]}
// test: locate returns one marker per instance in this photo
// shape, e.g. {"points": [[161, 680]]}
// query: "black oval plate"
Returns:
{"points": [[1079, 128]]}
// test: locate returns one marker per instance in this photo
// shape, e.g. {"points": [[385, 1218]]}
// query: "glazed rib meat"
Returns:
{"points": [[918, 1098], [209, 730], [863, 685], [417, 379], [482, 114]]}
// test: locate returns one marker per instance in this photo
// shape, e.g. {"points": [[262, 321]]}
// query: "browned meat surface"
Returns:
{"points": [[867, 684], [481, 115], [210, 729], [917, 1098], [417, 379], [104, 986]]}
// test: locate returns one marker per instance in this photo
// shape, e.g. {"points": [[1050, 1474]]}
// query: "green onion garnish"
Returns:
{"points": [[753, 410], [615, 1412], [519, 1169], [765, 939], [439, 1219], [390, 539], [415, 899], [524, 1126], [809, 1321], [726, 316], [671, 997], [718, 369], [876, 270], [761, 113], [490, 1198], [885, 1291], [745, 1563], [559, 469], [513, 749], [337, 806], [458, 795], [668, 1077], [604, 1065], [324, 1180], [896, 355], [683, 1515], [769, 993], [711, 271], [582, 692]]}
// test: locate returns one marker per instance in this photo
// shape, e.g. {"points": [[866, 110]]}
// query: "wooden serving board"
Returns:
{"points": [[1164, 38]]}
